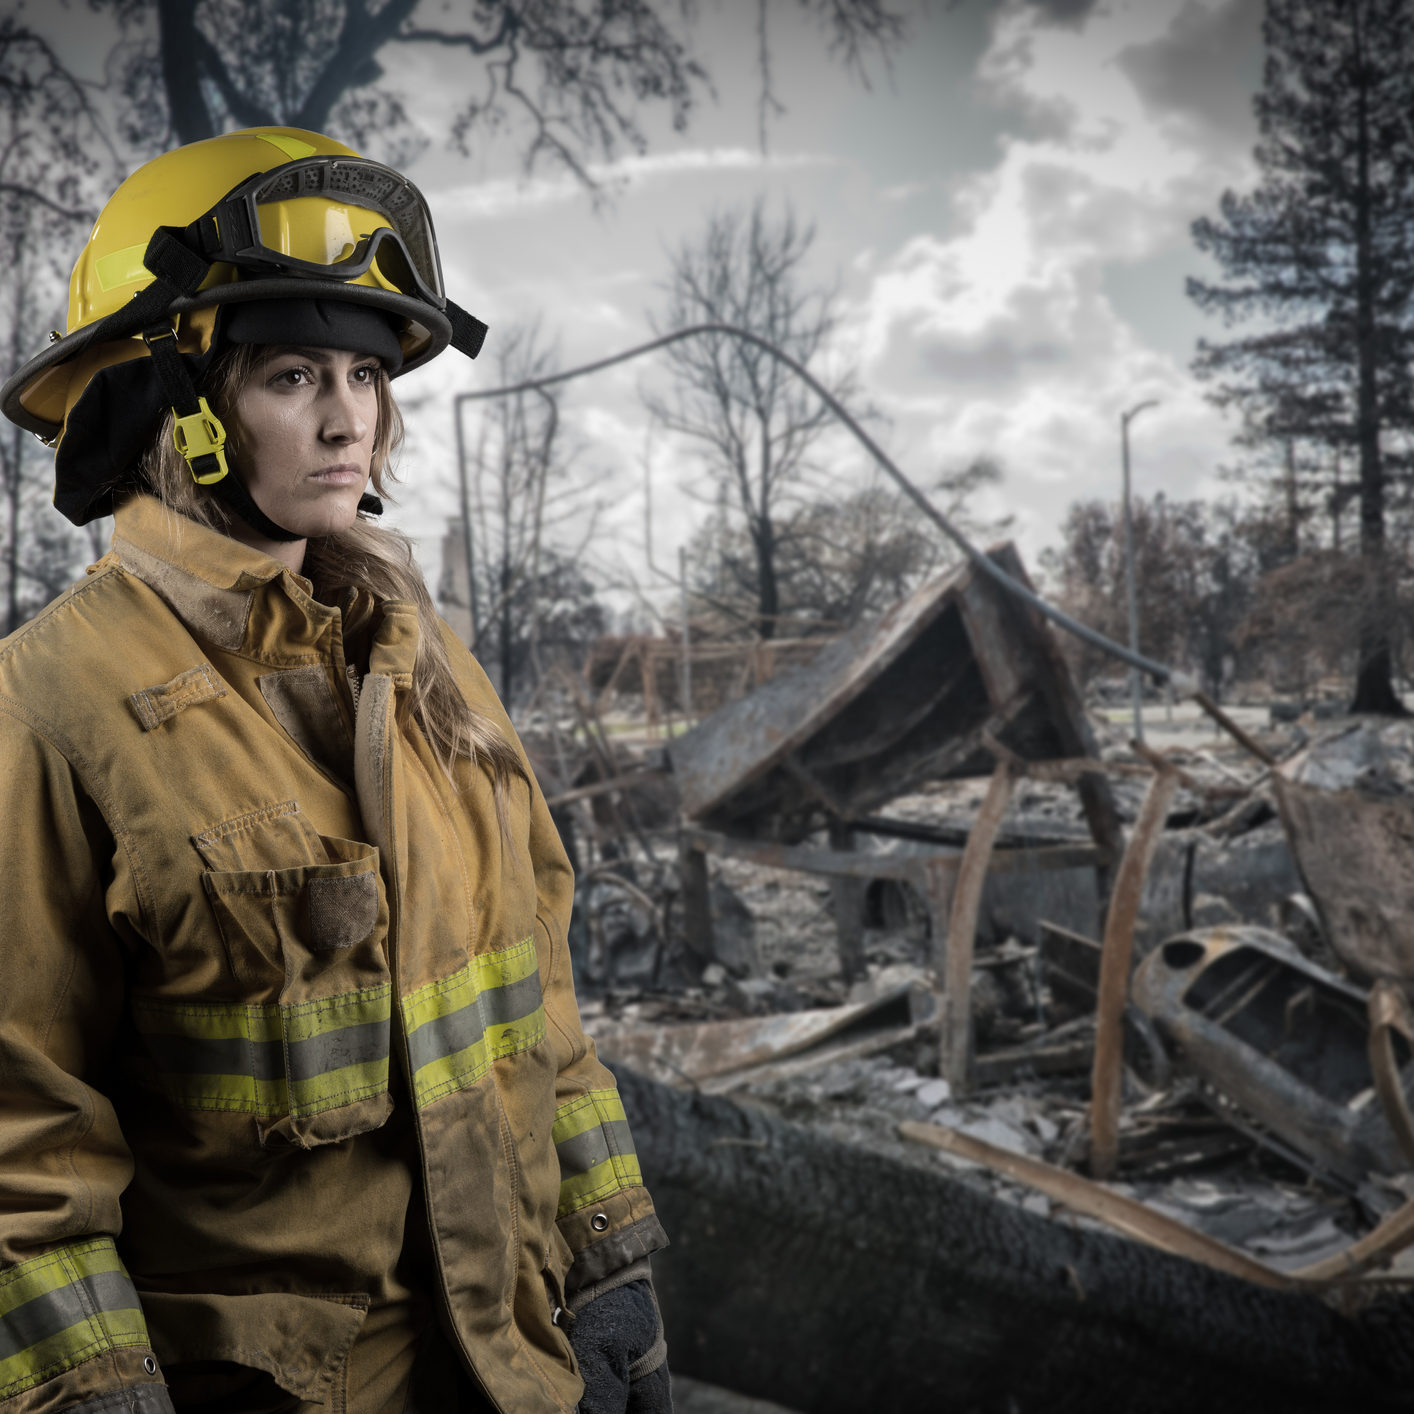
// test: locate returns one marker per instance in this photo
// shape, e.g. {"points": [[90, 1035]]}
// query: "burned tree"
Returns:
{"points": [[1196, 565], [573, 78], [524, 528], [1320, 254], [54, 144], [840, 558], [756, 426]]}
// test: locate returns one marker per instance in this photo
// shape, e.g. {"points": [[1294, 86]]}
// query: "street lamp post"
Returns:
{"points": [[1125, 418]]}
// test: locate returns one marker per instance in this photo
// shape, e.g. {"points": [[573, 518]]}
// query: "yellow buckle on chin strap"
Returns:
{"points": [[201, 434]]}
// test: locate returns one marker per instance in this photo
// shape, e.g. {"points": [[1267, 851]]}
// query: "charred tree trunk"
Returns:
{"points": [[191, 119], [1374, 678], [768, 594], [832, 1279]]}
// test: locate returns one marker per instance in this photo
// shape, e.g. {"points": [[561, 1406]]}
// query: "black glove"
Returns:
{"points": [[618, 1340]]}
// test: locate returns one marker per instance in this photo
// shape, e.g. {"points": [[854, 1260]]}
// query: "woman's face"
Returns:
{"points": [[306, 422]]}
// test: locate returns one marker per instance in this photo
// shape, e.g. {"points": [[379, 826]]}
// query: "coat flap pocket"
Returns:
{"points": [[268, 837], [300, 1341]]}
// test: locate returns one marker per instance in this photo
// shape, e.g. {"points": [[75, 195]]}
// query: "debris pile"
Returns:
{"points": [[910, 897]]}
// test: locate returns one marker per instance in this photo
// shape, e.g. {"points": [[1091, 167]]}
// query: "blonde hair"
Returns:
{"points": [[363, 556]]}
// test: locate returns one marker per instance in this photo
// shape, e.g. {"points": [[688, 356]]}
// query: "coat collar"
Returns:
{"points": [[240, 599], [214, 583]]}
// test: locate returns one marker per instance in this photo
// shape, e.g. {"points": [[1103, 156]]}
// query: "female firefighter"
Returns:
{"points": [[296, 1111]]}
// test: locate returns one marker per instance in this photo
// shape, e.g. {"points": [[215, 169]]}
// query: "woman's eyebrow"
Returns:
{"points": [[314, 355]]}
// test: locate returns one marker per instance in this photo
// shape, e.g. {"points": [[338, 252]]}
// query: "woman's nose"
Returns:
{"points": [[345, 418]]}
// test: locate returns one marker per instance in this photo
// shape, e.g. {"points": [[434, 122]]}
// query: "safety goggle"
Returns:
{"points": [[252, 225]]}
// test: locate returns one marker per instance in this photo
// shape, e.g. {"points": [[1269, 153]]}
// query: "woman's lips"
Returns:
{"points": [[344, 474]]}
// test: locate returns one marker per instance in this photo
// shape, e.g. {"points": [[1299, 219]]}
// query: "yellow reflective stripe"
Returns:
{"points": [[236, 1094], [616, 1172], [585, 1111], [210, 1021], [481, 974], [339, 1087], [465, 1067], [55, 1269], [457, 1026], [292, 147], [122, 267], [595, 1148], [63, 1308]]}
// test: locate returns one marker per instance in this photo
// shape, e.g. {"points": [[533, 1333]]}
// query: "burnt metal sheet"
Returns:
{"points": [[892, 703], [1283, 1040], [1356, 855], [704, 1051]]}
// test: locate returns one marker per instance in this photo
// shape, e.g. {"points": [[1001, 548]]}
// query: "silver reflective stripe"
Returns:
{"points": [[207, 1055], [350, 1045], [66, 1306], [497, 1006], [581, 1152], [55, 1312], [265, 1060]]}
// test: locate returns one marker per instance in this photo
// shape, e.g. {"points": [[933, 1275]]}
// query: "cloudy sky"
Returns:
{"points": [[1005, 212]]}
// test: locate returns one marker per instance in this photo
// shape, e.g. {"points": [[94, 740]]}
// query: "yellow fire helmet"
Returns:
{"points": [[258, 215]]}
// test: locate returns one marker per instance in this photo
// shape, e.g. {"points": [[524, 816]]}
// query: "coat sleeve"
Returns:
{"points": [[72, 1334], [605, 1212]]}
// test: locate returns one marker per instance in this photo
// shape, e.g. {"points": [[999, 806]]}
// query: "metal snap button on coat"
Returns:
{"points": [[149, 1364], [599, 1221]]}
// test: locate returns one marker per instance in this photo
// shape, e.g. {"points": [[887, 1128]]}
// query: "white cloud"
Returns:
{"points": [[1000, 338], [504, 196], [903, 191]]}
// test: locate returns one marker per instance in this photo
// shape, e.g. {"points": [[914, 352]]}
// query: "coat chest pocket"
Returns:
{"points": [[302, 1045]]}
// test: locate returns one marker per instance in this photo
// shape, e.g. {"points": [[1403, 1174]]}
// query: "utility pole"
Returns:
{"points": [[1125, 418], [686, 640], [465, 495]]}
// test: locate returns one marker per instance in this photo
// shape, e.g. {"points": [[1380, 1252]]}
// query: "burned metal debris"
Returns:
{"points": [[951, 680], [898, 903], [1283, 1039], [912, 697]]}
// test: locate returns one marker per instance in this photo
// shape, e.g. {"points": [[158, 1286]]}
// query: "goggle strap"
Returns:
{"points": [[173, 261], [468, 332]]}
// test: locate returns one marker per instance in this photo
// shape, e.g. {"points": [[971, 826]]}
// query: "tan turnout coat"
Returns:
{"points": [[238, 896]]}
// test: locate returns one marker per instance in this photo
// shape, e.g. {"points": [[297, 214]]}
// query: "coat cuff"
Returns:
{"points": [[613, 1253]]}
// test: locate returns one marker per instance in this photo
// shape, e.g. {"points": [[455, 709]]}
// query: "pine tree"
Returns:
{"points": [[1320, 257]]}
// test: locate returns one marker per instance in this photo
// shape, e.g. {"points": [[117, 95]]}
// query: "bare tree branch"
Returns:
{"points": [[28, 193], [757, 431]]}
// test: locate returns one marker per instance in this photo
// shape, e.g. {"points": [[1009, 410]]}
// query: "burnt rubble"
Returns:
{"points": [[911, 896]]}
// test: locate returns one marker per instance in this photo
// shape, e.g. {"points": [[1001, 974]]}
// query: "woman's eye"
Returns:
{"points": [[367, 373], [292, 377]]}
